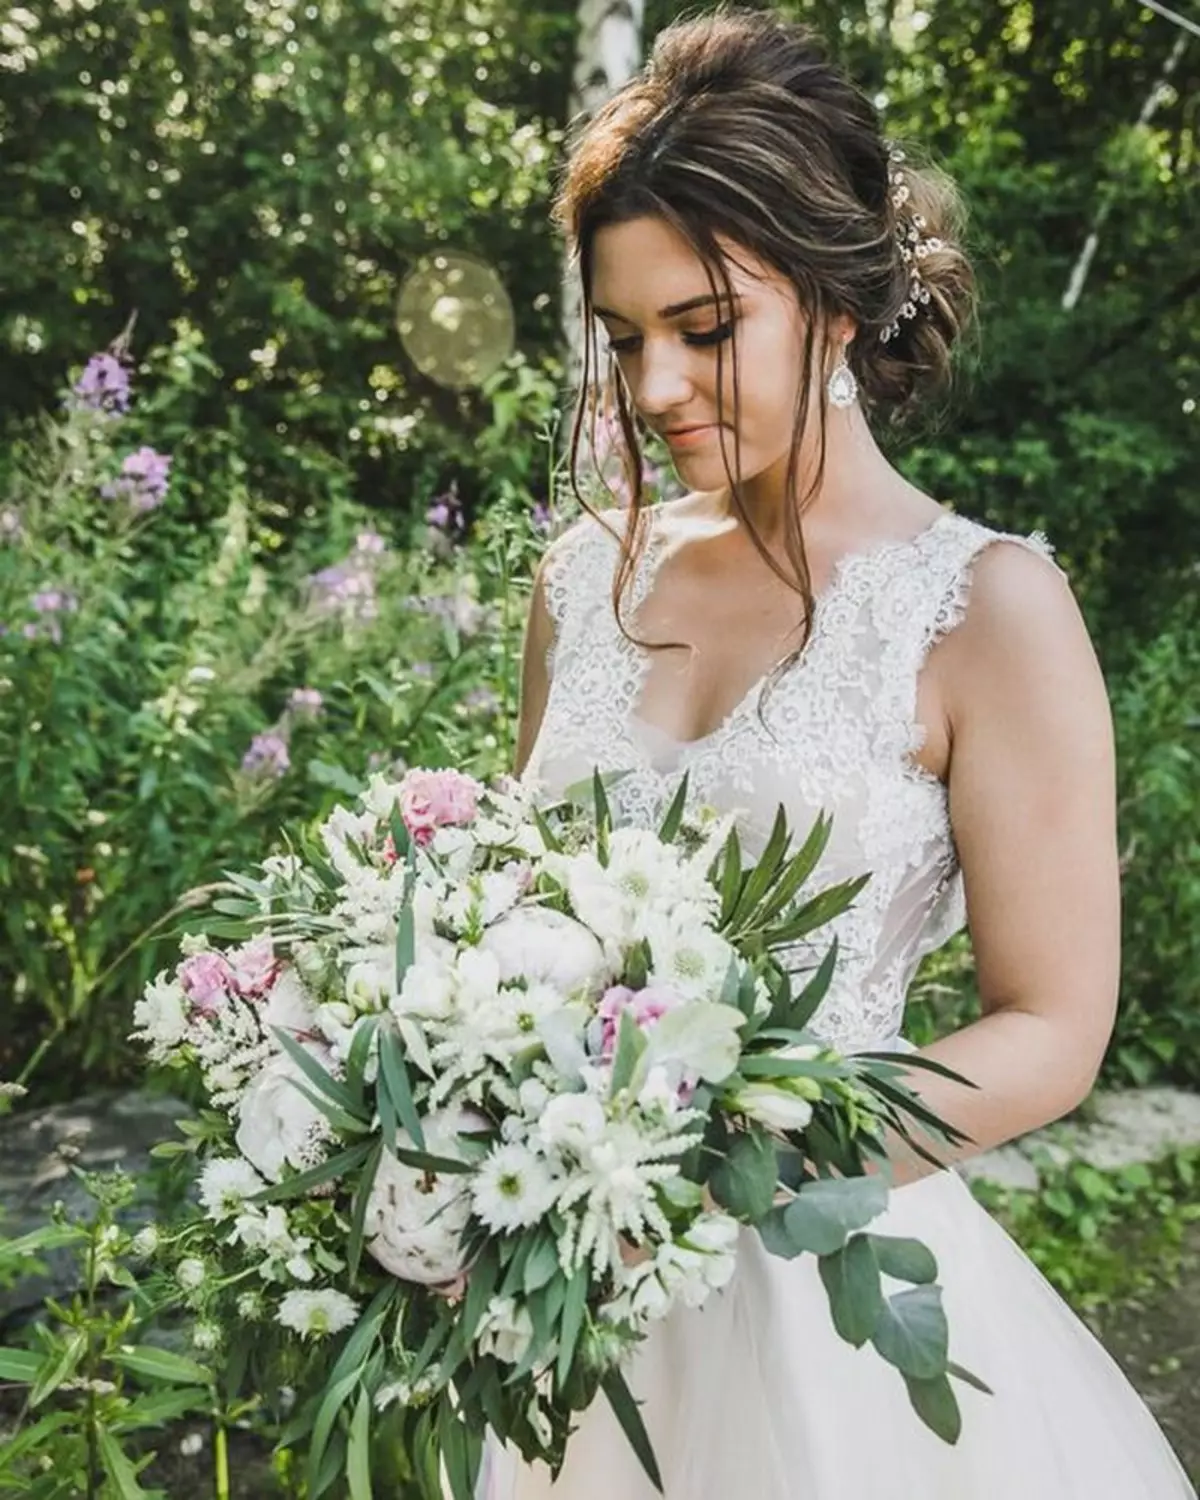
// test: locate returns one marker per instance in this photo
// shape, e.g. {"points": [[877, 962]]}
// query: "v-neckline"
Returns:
{"points": [[842, 570]]}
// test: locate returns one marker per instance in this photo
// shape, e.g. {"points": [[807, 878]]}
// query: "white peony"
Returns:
{"points": [[277, 1124], [547, 947], [415, 1219]]}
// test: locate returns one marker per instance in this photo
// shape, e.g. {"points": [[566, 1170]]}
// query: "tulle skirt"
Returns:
{"points": [[755, 1397]]}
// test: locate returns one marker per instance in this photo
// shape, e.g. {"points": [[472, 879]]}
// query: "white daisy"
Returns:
{"points": [[514, 1188], [225, 1184], [317, 1314]]}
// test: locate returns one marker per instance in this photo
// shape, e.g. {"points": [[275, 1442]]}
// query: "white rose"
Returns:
{"points": [[415, 1219], [277, 1124], [546, 946]]}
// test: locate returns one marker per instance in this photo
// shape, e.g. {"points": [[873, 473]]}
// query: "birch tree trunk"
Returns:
{"points": [[608, 53]]}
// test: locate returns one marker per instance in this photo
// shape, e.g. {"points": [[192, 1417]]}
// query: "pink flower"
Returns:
{"points": [[255, 968], [430, 800], [207, 981], [644, 1006]]}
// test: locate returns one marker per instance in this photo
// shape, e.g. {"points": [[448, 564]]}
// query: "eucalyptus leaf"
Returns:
{"points": [[744, 1182], [824, 1214], [904, 1259], [935, 1403], [912, 1334], [851, 1280]]}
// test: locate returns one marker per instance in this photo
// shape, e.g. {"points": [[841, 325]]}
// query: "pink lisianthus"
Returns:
{"points": [[644, 1006], [430, 800], [255, 968], [208, 980]]}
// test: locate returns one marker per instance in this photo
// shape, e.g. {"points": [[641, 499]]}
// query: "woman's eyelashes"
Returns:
{"points": [[704, 340]]}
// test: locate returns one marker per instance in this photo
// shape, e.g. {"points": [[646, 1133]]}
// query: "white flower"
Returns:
{"points": [[687, 957], [285, 867], [427, 990], [160, 1017], [146, 1241], [369, 984], [547, 947], [317, 1314], [572, 1122], [514, 1188], [206, 1337], [500, 890], [250, 1306], [773, 1104], [190, 1273], [225, 1184], [505, 1330], [415, 1219], [277, 1123], [714, 1234]]}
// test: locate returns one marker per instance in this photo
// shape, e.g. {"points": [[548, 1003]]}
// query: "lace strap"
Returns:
{"points": [[578, 574]]}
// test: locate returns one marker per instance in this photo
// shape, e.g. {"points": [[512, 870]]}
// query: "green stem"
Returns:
{"points": [[220, 1460]]}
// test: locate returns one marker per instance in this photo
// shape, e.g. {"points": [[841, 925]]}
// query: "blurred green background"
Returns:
{"points": [[255, 183]]}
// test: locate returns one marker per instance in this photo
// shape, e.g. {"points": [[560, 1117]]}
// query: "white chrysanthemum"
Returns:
{"points": [[688, 957], [160, 1017], [317, 1314], [225, 1184], [514, 1188]]}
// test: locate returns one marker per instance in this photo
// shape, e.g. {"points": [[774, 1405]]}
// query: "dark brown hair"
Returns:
{"points": [[739, 126]]}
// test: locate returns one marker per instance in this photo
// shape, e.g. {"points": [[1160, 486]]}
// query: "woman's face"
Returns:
{"points": [[651, 293]]}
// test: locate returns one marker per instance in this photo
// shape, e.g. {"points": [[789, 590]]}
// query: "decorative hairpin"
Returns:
{"points": [[914, 244]]}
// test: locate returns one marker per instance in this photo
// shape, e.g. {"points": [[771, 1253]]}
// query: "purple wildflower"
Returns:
{"points": [[267, 755], [541, 517], [422, 669], [43, 630], [370, 543], [103, 386], [346, 589], [445, 513], [306, 702], [482, 700], [54, 602], [142, 481]]}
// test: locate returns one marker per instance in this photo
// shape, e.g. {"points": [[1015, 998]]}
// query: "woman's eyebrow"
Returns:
{"points": [[673, 311]]}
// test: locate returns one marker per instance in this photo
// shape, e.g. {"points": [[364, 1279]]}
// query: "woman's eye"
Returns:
{"points": [[709, 337]]}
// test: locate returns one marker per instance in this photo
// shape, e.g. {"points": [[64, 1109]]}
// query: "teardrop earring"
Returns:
{"points": [[842, 388]]}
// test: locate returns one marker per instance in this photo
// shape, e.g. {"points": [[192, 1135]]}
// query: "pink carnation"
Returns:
{"points": [[255, 968], [430, 800], [207, 981], [644, 1006]]}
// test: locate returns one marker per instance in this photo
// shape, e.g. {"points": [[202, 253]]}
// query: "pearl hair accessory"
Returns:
{"points": [[914, 244]]}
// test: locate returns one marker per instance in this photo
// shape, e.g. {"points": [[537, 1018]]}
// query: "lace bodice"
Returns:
{"points": [[837, 733]]}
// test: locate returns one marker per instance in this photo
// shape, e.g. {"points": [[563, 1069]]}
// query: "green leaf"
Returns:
{"points": [[815, 913], [393, 1075], [627, 1414], [358, 1455], [354, 1352], [744, 1181], [671, 823], [121, 1472], [161, 1364], [406, 941], [731, 878], [802, 1009], [603, 814], [427, 1161], [58, 1366], [160, 1407], [333, 1398], [797, 870], [935, 1403], [456, 1452], [302, 1184], [912, 1334], [549, 838], [360, 1051], [572, 1322], [824, 1214], [481, 1283], [542, 1265], [358, 1218], [324, 1082], [631, 1043], [903, 1259], [31, 1438], [765, 871], [960, 1373], [20, 1365], [851, 1280]]}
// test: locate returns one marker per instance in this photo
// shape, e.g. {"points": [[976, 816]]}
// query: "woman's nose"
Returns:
{"points": [[662, 382]]}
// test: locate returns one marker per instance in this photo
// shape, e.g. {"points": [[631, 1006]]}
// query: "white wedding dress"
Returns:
{"points": [[754, 1396]]}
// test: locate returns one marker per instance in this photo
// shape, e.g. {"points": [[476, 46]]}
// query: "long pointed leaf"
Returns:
{"points": [[393, 1075], [358, 1455], [304, 1182], [674, 818], [322, 1080], [362, 1196], [627, 1414], [797, 870]]}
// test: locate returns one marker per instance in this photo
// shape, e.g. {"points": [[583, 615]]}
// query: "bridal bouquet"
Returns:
{"points": [[493, 1087]]}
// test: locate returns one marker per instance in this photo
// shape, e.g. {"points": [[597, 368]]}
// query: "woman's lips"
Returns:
{"points": [[692, 438]]}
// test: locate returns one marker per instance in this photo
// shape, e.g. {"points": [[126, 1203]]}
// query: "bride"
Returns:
{"points": [[806, 627]]}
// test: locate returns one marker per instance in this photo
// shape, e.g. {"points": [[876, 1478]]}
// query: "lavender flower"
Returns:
{"points": [[482, 700], [445, 513], [143, 480], [267, 756], [346, 589], [306, 702], [54, 602], [103, 387], [541, 517]]}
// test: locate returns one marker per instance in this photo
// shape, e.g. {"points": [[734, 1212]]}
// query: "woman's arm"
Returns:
{"points": [[1033, 812]]}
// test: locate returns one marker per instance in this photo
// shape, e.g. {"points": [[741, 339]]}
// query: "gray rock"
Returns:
{"points": [[1118, 1127], [102, 1132]]}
